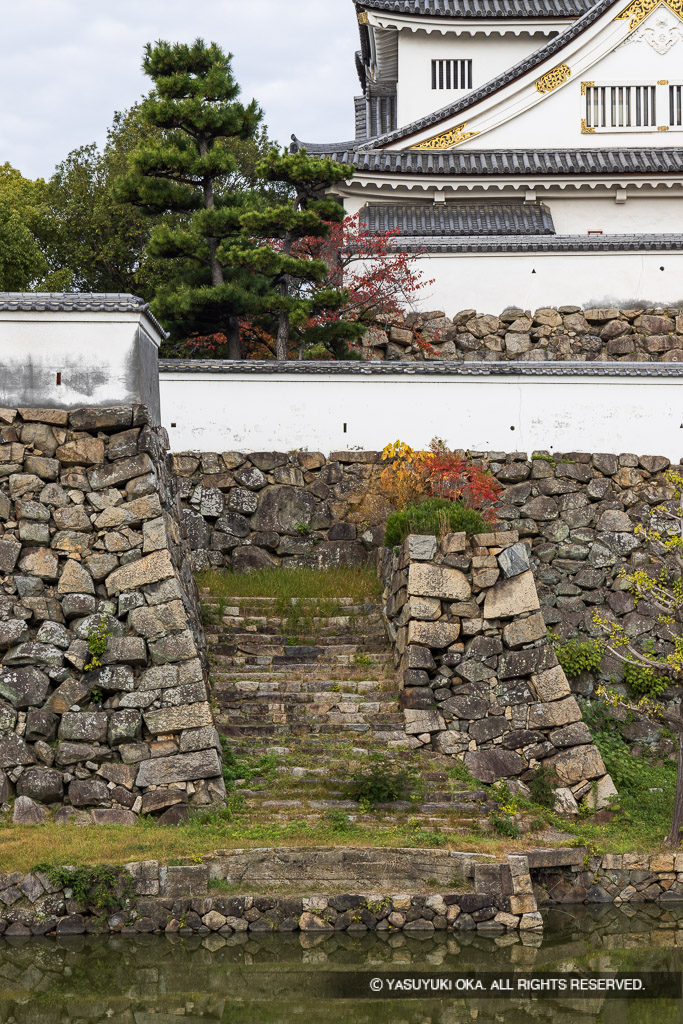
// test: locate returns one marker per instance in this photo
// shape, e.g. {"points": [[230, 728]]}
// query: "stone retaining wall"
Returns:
{"points": [[567, 333], [90, 533], [609, 878], [149, 897], [479, 679], [146, 896], [578, 511], [266, 509]]}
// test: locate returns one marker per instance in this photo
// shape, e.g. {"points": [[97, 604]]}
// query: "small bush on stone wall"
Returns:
{"points": [[644, 682], [434, 517], [381, 781], [440, 473], [577, 656]]}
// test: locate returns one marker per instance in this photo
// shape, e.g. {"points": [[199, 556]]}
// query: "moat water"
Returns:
{"points": [[283, 979]]}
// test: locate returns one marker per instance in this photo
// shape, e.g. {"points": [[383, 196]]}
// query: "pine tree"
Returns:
{"points": [[269, 248], [185, 173]]}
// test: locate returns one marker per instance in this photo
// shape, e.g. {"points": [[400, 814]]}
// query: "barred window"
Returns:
{"points": [[622, 106], [675, 111], [451, 74]]}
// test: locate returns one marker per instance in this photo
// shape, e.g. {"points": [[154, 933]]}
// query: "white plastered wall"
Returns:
{"points": [[283, 412], [491, 282], [490, 56]]}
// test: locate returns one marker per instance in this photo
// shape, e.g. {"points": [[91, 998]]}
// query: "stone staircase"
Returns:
{"points": [[312, 683]]}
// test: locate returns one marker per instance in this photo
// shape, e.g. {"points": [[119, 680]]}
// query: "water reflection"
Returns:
{"points": [[250, 979]]}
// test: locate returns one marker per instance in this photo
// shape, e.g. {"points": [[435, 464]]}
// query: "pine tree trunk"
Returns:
{"points": [[674, 838], [233, 337], [217, 278], [282, 349]]}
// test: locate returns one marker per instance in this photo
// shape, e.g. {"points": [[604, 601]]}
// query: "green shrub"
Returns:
{"points": [[577, 656], [432, 517], [380, 781], [644, 682], [504, 825], [542, 787], [233, 768]]}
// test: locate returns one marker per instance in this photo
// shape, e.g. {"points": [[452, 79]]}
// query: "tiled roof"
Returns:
{"points": [[78, 302], [454, 220], [541, 243], [550, 48], [431, 368], [483, 8], [508, 162]]}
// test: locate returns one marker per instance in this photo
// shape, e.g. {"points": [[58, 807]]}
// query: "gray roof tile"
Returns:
{"points": [[431, 368], [459, 219], [78, 302], [482, 8], [541, 243], [507, 162]]}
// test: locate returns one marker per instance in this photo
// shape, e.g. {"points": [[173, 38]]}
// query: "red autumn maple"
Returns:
{"points": [[457, 478], [380, 281]]}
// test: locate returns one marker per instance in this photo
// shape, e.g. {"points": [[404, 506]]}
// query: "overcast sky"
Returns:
{"points": [[67, 65]]}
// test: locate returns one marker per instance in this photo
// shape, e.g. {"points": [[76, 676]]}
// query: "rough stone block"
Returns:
{"points": [[187, 881], [119, 472], [150, 569], [433, 634], [559, 712], [489, 765], [419, 548], [88, 792], [424, 608], [24, 687], [511, 597], [175, 719], [577, 763], [525, 662], [14, 751], [417, 722], [26, 812], [161, 771], [84, 726], [438, 581], [551, 684], [524, 630], [514, 560], [601, 794]]}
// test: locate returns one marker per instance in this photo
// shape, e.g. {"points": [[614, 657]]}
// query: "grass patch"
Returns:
{"points": [[299, 584], [435, 517], [22, 847]]}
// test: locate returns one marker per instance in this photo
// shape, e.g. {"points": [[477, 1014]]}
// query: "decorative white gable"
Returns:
{"points": [[576, 90], [662, 30]]}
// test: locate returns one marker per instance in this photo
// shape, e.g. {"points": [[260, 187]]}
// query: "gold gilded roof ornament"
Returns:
{"points": [[638, 10], [447, 139], [553, 78]]}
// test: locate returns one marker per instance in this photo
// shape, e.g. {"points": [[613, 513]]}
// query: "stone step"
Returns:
{"points": [[303, 701], [284, 729], [309, 647], [363, 689], [307, 655], [233, 617], [278, 639], [349, 604]]}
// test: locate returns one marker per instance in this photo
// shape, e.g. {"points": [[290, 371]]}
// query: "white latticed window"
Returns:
{"points": [[451, 74], [621, 106], [642, 107]]}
